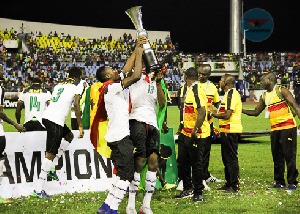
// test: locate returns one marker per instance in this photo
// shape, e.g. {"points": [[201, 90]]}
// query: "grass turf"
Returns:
{"points": [[256, 174]]}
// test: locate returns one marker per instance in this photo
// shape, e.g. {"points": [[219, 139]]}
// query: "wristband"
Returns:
{"points": [[181, 125], [122, 76]]}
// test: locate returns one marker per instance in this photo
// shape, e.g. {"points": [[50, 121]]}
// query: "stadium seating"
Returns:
{"points": [[56, 53]]}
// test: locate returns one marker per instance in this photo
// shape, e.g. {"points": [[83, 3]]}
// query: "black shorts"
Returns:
{"points": [[74, 124], [55, 134], [34, 126], [2, 146], [122, 158], [145, 138]]}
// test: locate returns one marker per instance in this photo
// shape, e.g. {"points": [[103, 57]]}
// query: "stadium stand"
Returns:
{"points": [[50, 56]]}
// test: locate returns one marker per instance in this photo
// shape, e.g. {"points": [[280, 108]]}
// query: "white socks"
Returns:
{"points": [[111, 193], [133, 188], [150, 187], [63, 147], [119, 192], [46, 165]]}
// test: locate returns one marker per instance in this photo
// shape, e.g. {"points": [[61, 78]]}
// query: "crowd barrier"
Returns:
{"points": [[80, 169]]}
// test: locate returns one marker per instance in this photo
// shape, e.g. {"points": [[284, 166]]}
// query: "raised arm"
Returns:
{"points": [[258, 109], [136, 75], [131, 61]]}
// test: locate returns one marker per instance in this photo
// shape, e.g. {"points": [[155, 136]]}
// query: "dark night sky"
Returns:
{"points": [[197, 25]]}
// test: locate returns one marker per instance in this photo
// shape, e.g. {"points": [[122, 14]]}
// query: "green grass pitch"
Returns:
{"points": [[256, 174]]}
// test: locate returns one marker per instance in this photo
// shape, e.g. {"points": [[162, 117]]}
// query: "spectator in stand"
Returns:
{"points": [[168, 40], [109, 38]]}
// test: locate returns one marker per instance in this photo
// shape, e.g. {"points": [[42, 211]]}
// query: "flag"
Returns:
{"points": [[100, 127]]}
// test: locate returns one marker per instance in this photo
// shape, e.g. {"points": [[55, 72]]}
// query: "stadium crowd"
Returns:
{"points": [[50, 55]]}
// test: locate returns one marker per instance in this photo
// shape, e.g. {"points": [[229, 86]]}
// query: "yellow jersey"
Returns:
{"points": [[194, 99], [212, 95], [281, 116], [232, 101]]}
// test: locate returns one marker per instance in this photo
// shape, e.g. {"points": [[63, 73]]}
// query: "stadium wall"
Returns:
{"points": [[78, 31]]}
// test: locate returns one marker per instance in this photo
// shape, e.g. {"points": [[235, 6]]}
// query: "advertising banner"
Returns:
{"points": [[10, 43], [80, 169]]}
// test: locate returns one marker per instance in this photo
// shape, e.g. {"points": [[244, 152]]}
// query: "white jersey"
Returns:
{"points": [[144, 100], [117, 109], [62, 99], [35, 100], [72, 108], [1, 104]]}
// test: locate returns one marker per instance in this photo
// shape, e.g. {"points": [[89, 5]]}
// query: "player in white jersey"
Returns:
{"points": [[54, 117], [3, 117], [145, 135], [35, 99], [113, 96]]}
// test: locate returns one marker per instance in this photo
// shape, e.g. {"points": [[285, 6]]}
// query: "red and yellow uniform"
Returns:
{"points": [[232, 101], [280, 113], [194, 99], [212, 95]]}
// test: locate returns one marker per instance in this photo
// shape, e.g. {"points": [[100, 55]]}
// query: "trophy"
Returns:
{"points": [[149, 57]]}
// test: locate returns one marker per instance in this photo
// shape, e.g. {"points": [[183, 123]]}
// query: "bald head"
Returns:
{"points": [[229, 79], [268, 80], [204, 67], [270, 76], [204, 72], [192, 73]]}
